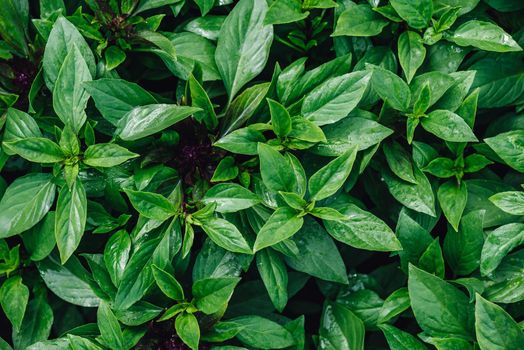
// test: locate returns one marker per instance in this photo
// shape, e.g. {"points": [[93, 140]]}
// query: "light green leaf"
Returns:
{"points": [[37, 150], [416, 13], [335, 98], [411, 53], [359, 20], [70, 219], [281, 225], [510, 147], [274, 274], [225, 235], [448, 126], [261, 333], [114, 98], [212, 293], [107, 155], [495, 328], [243, 44], [25, 203], [230, 197], [151, 205], [453, 198], [328, 180], [418, 197], [340, 329], [511, 202], [147, 120], [485, 36], [168, 283], [188, 330], [110, 331], [439, 307], [498, 244], [14, 296], [69, 97], [362, 230]]}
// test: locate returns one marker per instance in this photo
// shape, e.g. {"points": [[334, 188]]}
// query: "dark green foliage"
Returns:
{"points": [[261, 174]]}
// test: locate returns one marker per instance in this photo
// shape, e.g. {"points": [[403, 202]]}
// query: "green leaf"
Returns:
{"points": [[281, 225], [261, 333], [400, 340], [151, 205], [335, 98], [509, 147], [411, 53], [69, 97], [305, 130], [14, 296], [432, 260], [114, 56], [244, 106], [495, 328], [439, 307], [225, 235], [441, 167], [462, 248], [453, 198], [205, 6], [241, 141], [280, 119], [145, 5], [226, 170], [399, 161], [498, 244], [62, 40], [116, 255], [396, 303], [230, 197], [328, 180], [36, 325], [37, 240], [317, 255], [37, 150], [14, 20], [69, 142], [107, 155], [243, 44], [285, 11], [485, 36], [391, 88], [350, 132], [70, 282], [25, 203], [167, 284], [200, 99], [359, 20], [448, 126], [362, 230], [110, 331], [19, 125], [212, 293], [138, 277], [114, 98], [417, 14], [340, 328], [275, 170], [188, 330], [418, 197], [147, 120], [511, 202], [273, 272], [70, 219], [437, 82]]}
